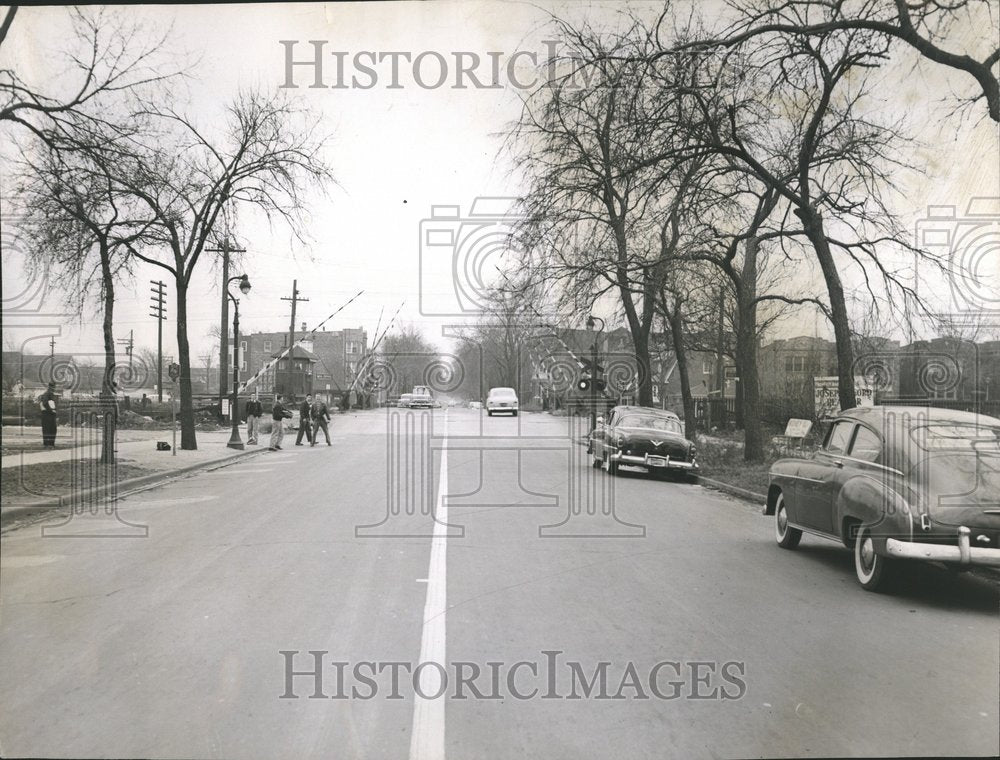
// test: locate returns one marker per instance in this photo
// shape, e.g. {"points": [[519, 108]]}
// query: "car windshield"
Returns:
{"points": [[954, 436], [503, 393], [655, 422]]}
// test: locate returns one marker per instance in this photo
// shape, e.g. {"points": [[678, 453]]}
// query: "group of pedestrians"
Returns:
{"points": [[313, 416]]}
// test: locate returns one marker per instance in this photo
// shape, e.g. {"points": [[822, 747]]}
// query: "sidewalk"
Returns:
{"points": [[159, 465], [136, 447]]}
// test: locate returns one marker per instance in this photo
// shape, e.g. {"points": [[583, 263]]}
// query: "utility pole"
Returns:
{"points": [[225, 250], [158, 309], [128, 347], [291, 329], [52, 358]]}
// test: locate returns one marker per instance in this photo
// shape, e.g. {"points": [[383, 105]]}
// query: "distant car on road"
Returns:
{"points": [[894, 483], [404, 401], [501, 401], [421, 398], [640, 436]]}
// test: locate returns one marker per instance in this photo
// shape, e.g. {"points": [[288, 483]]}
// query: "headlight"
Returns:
{"points": [[619, 439]]}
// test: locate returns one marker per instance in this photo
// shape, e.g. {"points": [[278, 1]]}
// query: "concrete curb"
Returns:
{"points": [[756, 498], [8, 514]]}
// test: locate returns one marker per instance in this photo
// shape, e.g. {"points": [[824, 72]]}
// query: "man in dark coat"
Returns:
{"points": [[254, 411], [47, 404], [304, 423], [320, 416], [278, 416]]}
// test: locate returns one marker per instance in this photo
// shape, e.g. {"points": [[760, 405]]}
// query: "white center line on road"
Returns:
{"points": [[427, 734]]}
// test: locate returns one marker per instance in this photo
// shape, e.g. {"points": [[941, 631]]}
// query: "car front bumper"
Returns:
{"points": [[510, 409], [963, 554], [654, 462]]}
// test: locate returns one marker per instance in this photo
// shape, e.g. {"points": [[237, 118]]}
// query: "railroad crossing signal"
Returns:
{"points": [[585, 384]]}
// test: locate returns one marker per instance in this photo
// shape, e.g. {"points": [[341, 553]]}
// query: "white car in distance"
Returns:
{"points": [[501, 401]]}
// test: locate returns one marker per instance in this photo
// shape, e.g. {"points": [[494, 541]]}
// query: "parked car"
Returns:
{"points": [[501, 401], [641, 436], [894, 483], [404, 401]]}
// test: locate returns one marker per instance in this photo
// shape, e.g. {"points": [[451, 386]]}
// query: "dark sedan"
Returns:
{"points": [[895, 483], [640, 436]]}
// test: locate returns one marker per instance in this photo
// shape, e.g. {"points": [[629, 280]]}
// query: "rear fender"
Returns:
{"points": [[868, 501]]}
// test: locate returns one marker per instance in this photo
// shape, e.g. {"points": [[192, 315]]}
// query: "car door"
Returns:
{"points": [[818, 477]]}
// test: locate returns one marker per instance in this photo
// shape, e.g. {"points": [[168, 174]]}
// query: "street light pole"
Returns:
{"points": [[234, 439], [593, 369]]}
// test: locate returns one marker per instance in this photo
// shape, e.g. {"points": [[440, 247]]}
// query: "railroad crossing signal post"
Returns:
{"points": [[174, 370]]}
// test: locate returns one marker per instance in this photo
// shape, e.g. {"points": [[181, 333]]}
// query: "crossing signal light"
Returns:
{"points": [[586, 383]]}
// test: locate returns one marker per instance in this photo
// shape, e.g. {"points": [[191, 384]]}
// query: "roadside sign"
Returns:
{"points": [[827, 401], [174, 371]]}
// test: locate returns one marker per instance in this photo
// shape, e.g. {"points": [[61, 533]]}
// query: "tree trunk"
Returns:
{"points": [[812, 223], [644, 376], [189, 441], [746, 355], [108, 401], [677, 334]]}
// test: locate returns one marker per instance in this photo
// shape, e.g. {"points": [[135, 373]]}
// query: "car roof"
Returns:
{"points": [[646, 410], [502, 388], [879, 416]]}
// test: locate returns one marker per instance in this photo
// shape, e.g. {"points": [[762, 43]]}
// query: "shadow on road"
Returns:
{"points": [[924, 583]]}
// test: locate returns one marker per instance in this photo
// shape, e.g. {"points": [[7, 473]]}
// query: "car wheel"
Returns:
{"points": [[489, 413], [787, 536], [872, 569], [515, 414], [610, 466]]}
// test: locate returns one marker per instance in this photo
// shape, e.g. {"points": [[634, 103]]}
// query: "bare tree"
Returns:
{"points": [[405, 356], [785, 109], [81, 229], [267, 152], [924, 25], [110, 56], [588, 207]]}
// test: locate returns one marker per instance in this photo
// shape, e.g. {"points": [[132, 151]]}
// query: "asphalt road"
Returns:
{"points": [[158, 631]]}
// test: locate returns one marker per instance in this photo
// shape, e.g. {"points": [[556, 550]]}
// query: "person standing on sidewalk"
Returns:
{"points": [[47, 404], [320, 415], [254, 412], [278, 416], [304, 423]]}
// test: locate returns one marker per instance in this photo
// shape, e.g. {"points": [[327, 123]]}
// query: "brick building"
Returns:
{"points": [[325, 364]]}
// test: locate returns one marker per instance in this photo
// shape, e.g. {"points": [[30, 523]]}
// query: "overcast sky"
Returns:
{"points": [[396, 152]]}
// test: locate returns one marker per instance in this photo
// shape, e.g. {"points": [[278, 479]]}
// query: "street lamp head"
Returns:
{"points": [[244, 284]]}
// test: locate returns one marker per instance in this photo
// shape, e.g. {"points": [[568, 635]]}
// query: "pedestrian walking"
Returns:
{"points": [[278, 416], [47, 405], [305, 424], [320, 416], [254, 411]]}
